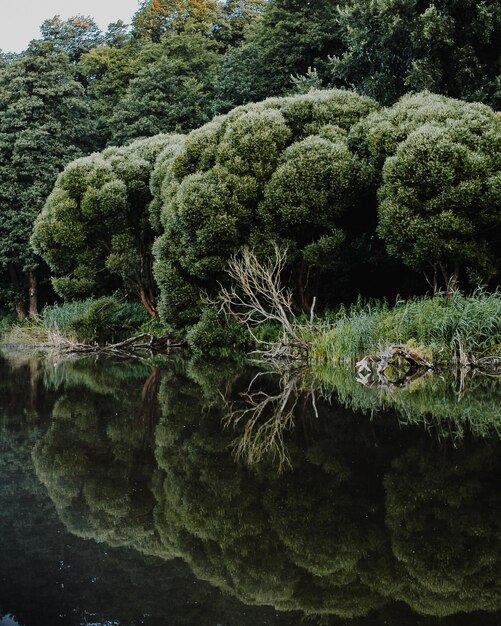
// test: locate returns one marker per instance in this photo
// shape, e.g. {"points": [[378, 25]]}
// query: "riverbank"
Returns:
{"points": [[440, 328], [101, 322]]}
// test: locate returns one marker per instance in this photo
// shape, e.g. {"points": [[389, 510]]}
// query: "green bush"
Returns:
{"points": [[214, 335], [279, 170], [103, 320], [94, 231]]}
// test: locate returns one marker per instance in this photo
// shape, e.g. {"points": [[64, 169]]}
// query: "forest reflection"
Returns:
{"points": [[348, 516]]}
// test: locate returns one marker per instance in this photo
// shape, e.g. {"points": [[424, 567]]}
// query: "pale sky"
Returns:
{"points": [[20, 20]]}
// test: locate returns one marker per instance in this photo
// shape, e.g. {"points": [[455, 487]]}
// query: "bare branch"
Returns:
{"points": [[257, 296]]}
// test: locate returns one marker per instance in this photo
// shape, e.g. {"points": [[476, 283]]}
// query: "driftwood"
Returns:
{"points": [[396, 365], [488, 363], [144, 342], [400, 365]]}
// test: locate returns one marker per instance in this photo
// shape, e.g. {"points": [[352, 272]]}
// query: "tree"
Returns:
{"points": [[235, 19], [276, 171], [291, 37], [44, 123], [118, 34], [95, 226], [74, 36], [440, 198], [155, 19], [172, 93], [391, 47], [107, 72]]}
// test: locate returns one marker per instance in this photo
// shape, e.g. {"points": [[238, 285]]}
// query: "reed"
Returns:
{"points": [[443, 326]]}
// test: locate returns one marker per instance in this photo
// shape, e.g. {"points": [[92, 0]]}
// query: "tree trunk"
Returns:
{"points": [[18, 294], [148, 304], [32, 277]]}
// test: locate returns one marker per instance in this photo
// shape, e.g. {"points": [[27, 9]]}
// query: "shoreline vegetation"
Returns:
{"points": [[273, 215], [446, 331]]}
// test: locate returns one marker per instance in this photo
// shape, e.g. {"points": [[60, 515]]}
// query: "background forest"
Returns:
{"points": [[375, 162]]}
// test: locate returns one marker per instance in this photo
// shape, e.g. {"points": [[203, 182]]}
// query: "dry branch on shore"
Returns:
{"points": [[145, 342]]}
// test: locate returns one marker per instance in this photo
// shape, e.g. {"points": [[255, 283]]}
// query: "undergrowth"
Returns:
{"points": [[94, 320], [440, 326]]}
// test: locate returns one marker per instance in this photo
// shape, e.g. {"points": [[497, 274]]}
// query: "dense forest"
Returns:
{"points": [[362, 137]]}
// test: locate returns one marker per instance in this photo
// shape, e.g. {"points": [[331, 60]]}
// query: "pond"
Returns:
{"points": [[211, 494]]}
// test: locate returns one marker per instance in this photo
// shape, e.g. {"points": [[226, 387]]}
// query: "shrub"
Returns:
{"points": [[279, 170]]}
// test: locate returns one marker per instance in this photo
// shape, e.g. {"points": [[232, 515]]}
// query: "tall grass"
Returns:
{"points": [[100, 321], [438, 325]]}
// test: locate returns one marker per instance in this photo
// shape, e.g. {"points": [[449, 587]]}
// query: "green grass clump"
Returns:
{"points": [[7, 321], [438, 325], [102, 320]]}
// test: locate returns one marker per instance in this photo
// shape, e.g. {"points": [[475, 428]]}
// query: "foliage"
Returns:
{"points": [[102, 320], [392, 47], [215, 336], [278, 170], [435, 323], [156, 19], [435, 161], [236, 17], [107, 71], [379, 135], [44, 123], [291, 37], [440, 201], [74, 36], [95, 227], [173, 92]]}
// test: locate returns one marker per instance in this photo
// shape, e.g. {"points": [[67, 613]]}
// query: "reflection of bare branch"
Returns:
{"points": [[257, 296], [266, 418]]}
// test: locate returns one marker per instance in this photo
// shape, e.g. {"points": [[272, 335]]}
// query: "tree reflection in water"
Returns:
{"points": [[365, 514]]}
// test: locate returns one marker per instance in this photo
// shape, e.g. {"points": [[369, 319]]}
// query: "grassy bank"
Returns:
{"points": [[439, 326], [99, 321]]}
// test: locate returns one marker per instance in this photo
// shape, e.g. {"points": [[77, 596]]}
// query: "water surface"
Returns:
{"points": [[140, 494]]}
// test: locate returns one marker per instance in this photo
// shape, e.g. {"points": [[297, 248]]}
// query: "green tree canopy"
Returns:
{"points": [[235, 19], [107, 72], [95, 225], [44, 123], [156, 19], [74, 36], [291, 37], [173, 92], [439, 193], [278, 170], [391, 47]]}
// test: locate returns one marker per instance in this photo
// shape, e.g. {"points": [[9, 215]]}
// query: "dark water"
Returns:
{"points": [[133, 494]]}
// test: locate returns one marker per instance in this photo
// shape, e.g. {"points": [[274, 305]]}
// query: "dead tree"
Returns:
{"points": [[257, 296]]}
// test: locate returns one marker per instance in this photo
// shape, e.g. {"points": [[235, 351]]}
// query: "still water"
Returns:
{"points": [[201, 494]]}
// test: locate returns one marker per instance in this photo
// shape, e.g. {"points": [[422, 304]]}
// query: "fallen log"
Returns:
{"points": [[139, 343]]}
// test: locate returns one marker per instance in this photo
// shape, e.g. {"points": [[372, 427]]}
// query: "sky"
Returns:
{"points": [[20, 20]]}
